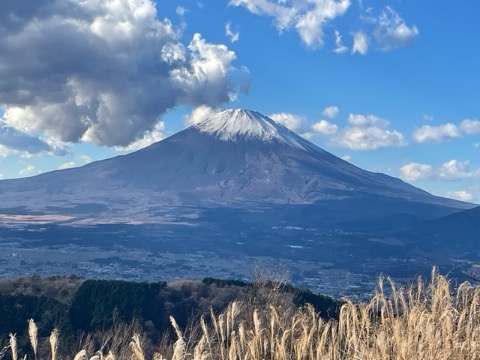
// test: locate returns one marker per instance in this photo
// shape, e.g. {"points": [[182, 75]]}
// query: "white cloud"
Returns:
{"points": [[310, 17], [470, 127], [324, 127], [20, 141], [427, 117], [120, 68], [368, 132], [291, 121], [455, 170], [233, 36], [206, 77], [29, 170], [307, 17], [67, 165], [461, 195], [448, 171], [440, 133], [85, 159], [427, 133], [369, 138], [360, 43], [2, 176], [4, 151], [367, 120], [392, 32], [180, 10], [340, 47], [150, 137], [416, 171], [199, 114], [330, 111], [310, 23], [283, 15], [346, 157]]}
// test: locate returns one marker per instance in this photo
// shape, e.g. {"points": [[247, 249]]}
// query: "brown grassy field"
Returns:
{"points": [[422, 321]]}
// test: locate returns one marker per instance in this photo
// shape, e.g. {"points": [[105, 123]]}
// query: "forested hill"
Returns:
{"points": [[92, 307]]}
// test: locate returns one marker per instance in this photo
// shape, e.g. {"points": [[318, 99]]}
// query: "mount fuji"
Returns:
{"points": [[236, 159], [217, 198]]}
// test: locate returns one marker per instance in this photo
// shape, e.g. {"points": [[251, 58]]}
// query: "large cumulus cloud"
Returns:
{"points": [[101, 71]]}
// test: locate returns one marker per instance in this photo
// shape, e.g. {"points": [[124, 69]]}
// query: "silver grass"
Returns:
{"points": [[4, 351], [179, 347], [110, 356], [13, 346], [81, 355], [33, 335], [136, 346], [54, 343]]}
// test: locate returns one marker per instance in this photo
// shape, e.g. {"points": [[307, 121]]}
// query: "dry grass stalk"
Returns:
{"points": [[13, 346], [3, 352], [81, 355], [179, 347], [54, 343], [33, 335], [110, 356], [137, 349]]}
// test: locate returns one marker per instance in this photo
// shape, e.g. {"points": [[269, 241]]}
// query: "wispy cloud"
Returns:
{"points": [[340, 47], [470, 126], [29, 170], [81, 160], [448, 171], [461, 195], [307, 17], [331, 111], [180, 10], [392, 32], [360, 43], [449, 131], [67, 165], [233, 36]]}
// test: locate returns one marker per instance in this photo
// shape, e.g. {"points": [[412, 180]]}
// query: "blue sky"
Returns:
{"points": [[392, 86]]}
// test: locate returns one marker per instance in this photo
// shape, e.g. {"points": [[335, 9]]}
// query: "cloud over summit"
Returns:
{"points": [[102, 71]]}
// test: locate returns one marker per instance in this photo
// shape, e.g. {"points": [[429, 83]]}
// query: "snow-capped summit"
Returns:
{"points": [[235, 124]]}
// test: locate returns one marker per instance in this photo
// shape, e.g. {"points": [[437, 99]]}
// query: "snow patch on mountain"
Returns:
{"points": [[235, 124]]}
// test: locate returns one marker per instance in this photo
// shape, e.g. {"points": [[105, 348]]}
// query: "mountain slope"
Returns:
{"points": [[455, 231], [237, 158]]}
